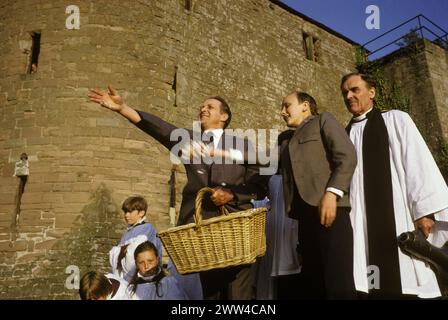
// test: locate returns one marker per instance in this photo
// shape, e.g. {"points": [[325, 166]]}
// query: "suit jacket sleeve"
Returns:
{"points": [[341, 152], [157, 128]]}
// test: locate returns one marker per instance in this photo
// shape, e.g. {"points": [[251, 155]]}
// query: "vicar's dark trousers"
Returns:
{"points": [[327, 254]]}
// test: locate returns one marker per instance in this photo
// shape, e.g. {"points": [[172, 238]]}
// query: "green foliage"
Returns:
{"points": [[441, 43], [411, 39], [388, 94], [360, 56]]}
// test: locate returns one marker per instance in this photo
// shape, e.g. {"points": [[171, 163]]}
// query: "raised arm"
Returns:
{"points": [[150, 124], [113, 101]]}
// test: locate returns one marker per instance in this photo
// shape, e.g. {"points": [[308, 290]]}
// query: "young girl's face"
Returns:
{"points": [[146, 263]]}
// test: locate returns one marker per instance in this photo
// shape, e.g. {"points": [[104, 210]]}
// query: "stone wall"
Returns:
{"points": [[421, 73], [163, 58], [437, 60]]}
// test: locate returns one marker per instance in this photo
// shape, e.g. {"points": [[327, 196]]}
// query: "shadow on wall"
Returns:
{"points": [[56, 275]]}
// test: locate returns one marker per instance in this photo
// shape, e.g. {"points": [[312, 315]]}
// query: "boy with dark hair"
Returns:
{"points": [[121, 257], [95, 285]]}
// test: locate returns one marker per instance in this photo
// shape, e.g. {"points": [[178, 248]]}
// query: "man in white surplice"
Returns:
{"points": [[419, 192]]}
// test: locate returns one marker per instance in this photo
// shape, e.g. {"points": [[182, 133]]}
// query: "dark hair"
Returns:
{"points": [[142, 247], [94, 285], [134, 203], [371, 82], [224, 108], [303, 96]]}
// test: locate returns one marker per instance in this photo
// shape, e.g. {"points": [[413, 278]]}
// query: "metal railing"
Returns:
{"points": [[420, 25]]}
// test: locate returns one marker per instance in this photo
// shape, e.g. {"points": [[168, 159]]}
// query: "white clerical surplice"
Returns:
{"points": [[418, 190]]}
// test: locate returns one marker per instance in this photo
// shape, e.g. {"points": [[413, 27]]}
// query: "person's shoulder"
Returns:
{"points": [[397, 116], [146, 226], [143, 229], [394, 113], [326, 116], [328, 119], [170, 281]]}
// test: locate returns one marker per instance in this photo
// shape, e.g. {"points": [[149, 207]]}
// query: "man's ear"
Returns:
{"points": [[224, 117], [306, 106], [372, 93]]}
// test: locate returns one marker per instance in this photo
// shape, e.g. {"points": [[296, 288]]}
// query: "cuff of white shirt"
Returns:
{"points": [[236, 155], [337, 192]]}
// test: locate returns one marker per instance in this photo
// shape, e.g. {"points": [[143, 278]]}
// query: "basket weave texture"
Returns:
{"points": [[228, 240]]}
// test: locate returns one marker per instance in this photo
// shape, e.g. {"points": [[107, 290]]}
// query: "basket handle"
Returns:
{"points": [[198, 205]]}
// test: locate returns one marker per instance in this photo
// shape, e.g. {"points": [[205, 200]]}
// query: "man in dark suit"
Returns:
{"points": [[317, 161], [235, 185]]}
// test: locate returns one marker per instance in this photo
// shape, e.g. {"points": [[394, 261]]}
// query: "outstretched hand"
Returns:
{"points": [[110, 99], [200, 151]]}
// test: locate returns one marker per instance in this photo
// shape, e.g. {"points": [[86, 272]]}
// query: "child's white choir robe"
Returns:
{"points": [[134, 235], [120, 288], [127, 263]]}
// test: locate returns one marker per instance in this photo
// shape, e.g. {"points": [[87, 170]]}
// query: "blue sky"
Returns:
{"points": [[348, 17]]}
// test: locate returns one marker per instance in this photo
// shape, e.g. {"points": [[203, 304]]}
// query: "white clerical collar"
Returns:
{"points": [[363, 116], [217, 133], [142, 220]]}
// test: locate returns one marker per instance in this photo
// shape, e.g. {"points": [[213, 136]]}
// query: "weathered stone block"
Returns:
{"points": [[76, 197], [66, 220], [30, 257], [45, 245], [16, 246], [32, 132]]}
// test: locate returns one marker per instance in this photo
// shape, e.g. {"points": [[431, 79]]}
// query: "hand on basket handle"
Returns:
{"points": [[221, 196]]}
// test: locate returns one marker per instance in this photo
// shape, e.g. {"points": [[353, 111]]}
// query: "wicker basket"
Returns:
{"points": [[228, 240]]}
